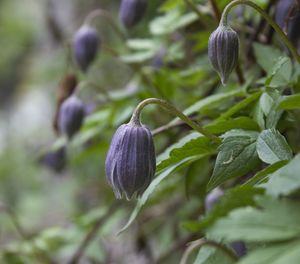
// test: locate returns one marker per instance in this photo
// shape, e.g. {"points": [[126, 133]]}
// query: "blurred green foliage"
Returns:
{"points": [[47, 213]]}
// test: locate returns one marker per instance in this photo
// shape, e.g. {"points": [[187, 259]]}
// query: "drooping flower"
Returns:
{"points": [[132, 11], [71, 115], [223, 51], [85, 46], [130, 162]]}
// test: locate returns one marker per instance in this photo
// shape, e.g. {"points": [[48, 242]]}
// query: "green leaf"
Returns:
{"points": [[209, 102], [237, 156], [240, 105], [234, 198], [281, 253], [138, 57], [281, 73], [274, 220], [171, 21], [266, 56], [223, 125], [263, 174], [210, 255], [286, 180], [156, 181], [271, 147], [269, 102], [142, 44], [290, 102], [170, 4], [192, 146]]}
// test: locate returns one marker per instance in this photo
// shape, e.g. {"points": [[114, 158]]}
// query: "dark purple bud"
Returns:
{"points": [[223, 51], [130, 162], [132, 11], [85, 46], [212, 198], [55, 160], [287, 16], [239, 248], [71, 115]]}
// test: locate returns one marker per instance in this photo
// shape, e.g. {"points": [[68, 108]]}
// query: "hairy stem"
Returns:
{"points": [[173, 110], [283, 37]]}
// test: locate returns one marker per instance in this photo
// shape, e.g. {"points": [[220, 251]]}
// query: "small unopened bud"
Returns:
{"points": [[55, 160], [86, 44], [132, 11], [71, 115], [223, 51], [130, 162]]}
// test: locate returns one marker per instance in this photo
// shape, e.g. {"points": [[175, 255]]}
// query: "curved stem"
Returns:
{"points": [[103, 13], [173, 110], [201, 242], [283, 37]]}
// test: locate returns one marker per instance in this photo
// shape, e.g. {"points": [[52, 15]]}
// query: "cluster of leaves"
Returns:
{"points": [[256, 164]]}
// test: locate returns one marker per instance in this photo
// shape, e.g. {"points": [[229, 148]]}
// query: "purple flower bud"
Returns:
{"points": [[223, 51], [283, 18], [71, 115], [239, 248], [130, 162], [132, 11], [56, 160], [85, 46], [212, 198]]}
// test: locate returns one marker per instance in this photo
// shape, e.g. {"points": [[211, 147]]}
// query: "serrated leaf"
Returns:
{"points": [[281, 253], [280, 73], [192, 146], [271, 147], [286, 180], [274, 220], [234, 198], [237, 156], [290, 102]]}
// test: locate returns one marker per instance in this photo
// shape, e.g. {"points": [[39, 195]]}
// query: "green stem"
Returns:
{"points": [[201, 242], [283, 37], [103, 13], [196, 10], [173, 110]]}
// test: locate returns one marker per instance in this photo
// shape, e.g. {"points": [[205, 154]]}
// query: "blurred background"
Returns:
{"points": [[52, 193]]}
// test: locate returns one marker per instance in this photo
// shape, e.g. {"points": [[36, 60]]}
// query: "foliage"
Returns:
{"points": [[47, 215]]}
